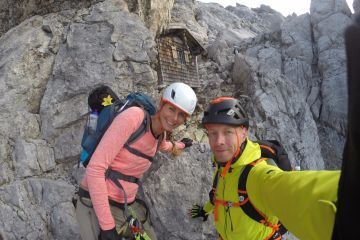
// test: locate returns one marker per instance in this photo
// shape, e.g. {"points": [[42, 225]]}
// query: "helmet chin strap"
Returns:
{"points": [[236, 153]]}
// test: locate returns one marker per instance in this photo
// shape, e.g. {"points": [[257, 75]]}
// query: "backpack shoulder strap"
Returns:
{"points": [[143, 128], [273, 149], [248, 207]]}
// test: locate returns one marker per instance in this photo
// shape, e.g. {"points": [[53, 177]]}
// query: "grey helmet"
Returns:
{"points": [[225, 110]]}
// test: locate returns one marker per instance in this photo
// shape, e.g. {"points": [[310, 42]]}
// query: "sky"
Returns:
{"points": [[284, 7]]}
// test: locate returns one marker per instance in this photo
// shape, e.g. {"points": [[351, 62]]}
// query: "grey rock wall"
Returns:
{"points": [[304, 52], [13, 12], [154, 13], [356, 6], [38, 208], [331, 71]]}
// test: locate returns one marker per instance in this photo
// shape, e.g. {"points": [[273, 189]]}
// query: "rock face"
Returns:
{"points": [[356, 6], [13, 12], [289, 73], [154, 13], [298, 60], [28, 221], [331, 63]]}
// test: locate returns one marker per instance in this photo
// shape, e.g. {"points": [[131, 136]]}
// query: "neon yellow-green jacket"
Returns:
{"points": [[302, 200]]}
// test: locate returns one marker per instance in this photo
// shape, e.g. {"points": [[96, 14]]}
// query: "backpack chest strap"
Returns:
{"points": [[115, 176], [138, 153], [224, 203]]}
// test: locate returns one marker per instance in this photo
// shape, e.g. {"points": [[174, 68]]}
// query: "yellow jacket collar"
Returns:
{"points": [[251, 153]]}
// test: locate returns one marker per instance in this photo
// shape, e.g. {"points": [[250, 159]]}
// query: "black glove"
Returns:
{"points": [[109, 235], [187, 142], [198, 211]]}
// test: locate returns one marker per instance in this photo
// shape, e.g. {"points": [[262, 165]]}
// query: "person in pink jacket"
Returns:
{"points": [[101, 211]]}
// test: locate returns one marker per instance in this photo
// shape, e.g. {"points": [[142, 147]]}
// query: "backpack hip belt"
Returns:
{"points": [[82, 193]]}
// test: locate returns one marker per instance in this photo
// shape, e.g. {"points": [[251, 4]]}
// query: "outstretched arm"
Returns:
{"points": [[304, 201]]}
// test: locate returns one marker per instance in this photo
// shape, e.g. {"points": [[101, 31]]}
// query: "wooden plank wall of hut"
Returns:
{"points": [[172, 67]]}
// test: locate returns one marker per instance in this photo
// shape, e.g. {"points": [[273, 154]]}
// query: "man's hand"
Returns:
{"points": [[198, 211]]}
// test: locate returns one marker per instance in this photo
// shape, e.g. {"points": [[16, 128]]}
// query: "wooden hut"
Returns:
{"points": [[178, 51]]}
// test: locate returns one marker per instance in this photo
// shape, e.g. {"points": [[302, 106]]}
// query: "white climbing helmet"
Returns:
{"points": [[181, 96]]}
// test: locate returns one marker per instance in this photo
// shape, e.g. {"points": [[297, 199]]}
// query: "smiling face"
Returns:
{"points": [[224, 140], [171, 117]]}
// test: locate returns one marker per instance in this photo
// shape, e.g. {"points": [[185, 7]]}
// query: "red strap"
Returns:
{"points": [[275, 228], [268, 148], [228, 164], [226, 169]]}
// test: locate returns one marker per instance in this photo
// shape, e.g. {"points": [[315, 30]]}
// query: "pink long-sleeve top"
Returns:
{"points": [[111, 153]]}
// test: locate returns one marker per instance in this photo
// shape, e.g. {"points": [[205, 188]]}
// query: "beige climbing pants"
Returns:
{"points": [[89, 225]]}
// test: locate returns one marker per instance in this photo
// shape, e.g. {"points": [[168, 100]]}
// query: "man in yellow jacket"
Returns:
{"points": [[304, 201]]}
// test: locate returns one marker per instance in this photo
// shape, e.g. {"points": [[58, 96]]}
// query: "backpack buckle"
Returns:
{"points": [[275, 236], [229, 204]]}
